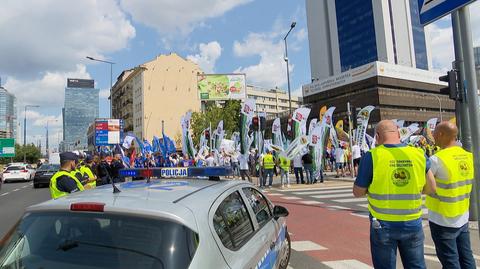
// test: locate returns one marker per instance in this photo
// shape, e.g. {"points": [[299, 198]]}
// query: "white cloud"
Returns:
{"points": [[55, 35], [105, 93], [207, 56], [174, 16]]}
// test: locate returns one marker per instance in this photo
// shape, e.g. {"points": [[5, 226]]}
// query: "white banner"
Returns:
{"points": [[362, 123]]}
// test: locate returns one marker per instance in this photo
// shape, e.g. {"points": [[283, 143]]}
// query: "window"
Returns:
{"points": [[232, 222], [260, 206]]}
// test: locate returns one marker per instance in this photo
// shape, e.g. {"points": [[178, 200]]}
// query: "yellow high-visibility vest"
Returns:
{"points": [[268, 162], [284, 164], [86, 171], [398, 181], [452, 197], [54, 191]]}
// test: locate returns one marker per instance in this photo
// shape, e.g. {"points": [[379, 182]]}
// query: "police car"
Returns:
{"points": [[183, 222]]}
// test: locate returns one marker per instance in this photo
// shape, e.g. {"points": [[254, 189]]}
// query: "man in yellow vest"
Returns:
{"points": [[284, 171], [393, 176], [268, 165], [448, 213], [87, 173], [64, 182]]}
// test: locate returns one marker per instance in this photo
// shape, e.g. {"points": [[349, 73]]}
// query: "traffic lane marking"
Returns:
{"points": [[318, 188], [15, 190], [311, 202], [350, 200], [349, 190], [3, 194], [345, 236], [325, 196], [306, 246], [347, 264]]}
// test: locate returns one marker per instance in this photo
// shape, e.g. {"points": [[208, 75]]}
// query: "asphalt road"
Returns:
{"points": [[14, 198]]}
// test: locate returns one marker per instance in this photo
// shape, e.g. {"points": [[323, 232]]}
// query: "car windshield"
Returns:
{"points": [[15, 168], [96, 240], [49, 167]]}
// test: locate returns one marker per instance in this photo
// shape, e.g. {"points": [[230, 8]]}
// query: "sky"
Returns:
{"points": [[44, 42]]}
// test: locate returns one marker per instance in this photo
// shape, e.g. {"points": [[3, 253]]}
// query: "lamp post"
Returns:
{"points": [[25, 130], [288, 69], [111, 77], [46, 139], [439, 106]]}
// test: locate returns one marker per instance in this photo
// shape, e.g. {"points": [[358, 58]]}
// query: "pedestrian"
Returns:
{"points": [[103, 171], [356, 155], [87, 172], [448, 208], [339, 160], [115, 167], [393, 176], [235, 165], [298, 169], [243, 163], [210, 160], [307, 161], [64, 182], [284, 171], [268, 164], [251, 161], [186, 162]]}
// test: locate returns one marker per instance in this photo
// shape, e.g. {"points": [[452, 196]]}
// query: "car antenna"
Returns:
{"points": [[115, 189]]}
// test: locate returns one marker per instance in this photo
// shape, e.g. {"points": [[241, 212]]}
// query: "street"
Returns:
{"points": [[329, 227]]}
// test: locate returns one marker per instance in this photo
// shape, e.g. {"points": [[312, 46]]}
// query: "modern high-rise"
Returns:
{"points": [[8, 114], [345, 34], [476, 51], [79, 111]]}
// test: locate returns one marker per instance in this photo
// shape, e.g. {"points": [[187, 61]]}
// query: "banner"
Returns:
{"points": [[312, 125], [406, 132], [187, 143], [300, 116], [221, 86], [341, 134], [316, 146], [296, 147], [362, 123], [248, 107], [428, 130], [127, 141], [218, 136], [277, 139], [326, 125], [322, 112]]}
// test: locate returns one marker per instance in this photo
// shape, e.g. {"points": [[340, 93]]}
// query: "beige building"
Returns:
{"points": [[162, 89], [274, 102]]}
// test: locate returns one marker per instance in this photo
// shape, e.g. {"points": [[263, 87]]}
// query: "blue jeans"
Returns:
{"points": [[309, 173], [298, 174], [385, 241], [453, 246], [267, 173]]}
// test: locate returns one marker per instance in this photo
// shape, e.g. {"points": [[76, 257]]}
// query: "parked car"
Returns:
{"points": [[24, 172], [44, 173], [180, 223]]}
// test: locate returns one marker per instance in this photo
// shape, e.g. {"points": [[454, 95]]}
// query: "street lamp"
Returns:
{"points": [[25, 130], [288, 69], [46, 139], [111, 77], [439, 105]]}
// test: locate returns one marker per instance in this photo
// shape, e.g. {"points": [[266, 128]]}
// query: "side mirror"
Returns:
{"points": [[279, 211]]}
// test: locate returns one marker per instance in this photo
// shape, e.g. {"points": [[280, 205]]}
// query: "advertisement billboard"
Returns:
{"points": [[221, 86], [108, 132], [7, 147], [80, 83]]}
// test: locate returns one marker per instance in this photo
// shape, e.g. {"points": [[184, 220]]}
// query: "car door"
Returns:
{"points": [[236, 232]]}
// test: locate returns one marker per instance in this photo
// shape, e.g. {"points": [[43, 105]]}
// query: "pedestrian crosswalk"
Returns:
{"points": [[334, 197]]}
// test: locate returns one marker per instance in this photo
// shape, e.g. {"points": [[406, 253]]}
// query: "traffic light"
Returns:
{"points": [[452, 89], [255, 123]]}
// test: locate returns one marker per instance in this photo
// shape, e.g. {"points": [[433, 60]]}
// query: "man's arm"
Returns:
{"points": [[67, 184], [430, 186], [365, 176], [359, 191]]}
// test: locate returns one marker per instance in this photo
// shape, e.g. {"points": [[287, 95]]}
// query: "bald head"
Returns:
{"points": [[445, 134], [387, 133]]}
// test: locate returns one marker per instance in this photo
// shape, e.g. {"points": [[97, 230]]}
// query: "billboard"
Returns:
{"points": [[80, 83], [7, 147], [108, 132], [221, 86]]}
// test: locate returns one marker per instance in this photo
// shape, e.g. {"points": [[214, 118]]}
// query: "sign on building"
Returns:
{"points": [[432, 10], [221, 87], [80, 83], [108, 132], [7, 147]]}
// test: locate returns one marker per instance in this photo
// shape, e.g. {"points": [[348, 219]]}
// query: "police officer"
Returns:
{"points": [[393, 176], [86, 170], [103, 171], [64, 182], [268, 165], [448, 207], [115, 167]]}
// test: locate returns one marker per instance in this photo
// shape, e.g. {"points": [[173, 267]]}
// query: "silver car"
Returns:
{"points": [[164, 223]]}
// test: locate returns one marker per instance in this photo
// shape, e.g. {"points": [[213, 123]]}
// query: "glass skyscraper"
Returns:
{"points": [[80, 110], [8, 114]]}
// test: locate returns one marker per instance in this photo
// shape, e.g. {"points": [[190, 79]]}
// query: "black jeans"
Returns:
{"points": [[297, 171]]}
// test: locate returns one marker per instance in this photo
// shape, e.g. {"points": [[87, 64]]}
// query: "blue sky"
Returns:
{"points": [[48, 41]]}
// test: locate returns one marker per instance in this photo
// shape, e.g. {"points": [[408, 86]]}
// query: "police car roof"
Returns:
{"points": [[164, 198]]}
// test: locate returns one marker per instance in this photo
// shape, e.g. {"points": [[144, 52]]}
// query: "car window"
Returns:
{"points": [[259, 204], [60, 240], [14, 168], [232, 222]]}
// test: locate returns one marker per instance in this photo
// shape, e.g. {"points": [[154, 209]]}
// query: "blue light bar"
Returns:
{"points": [[177, 172]]}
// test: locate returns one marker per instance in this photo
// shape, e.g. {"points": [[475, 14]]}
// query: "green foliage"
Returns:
{"points": [[229, 113], [31, 152]]}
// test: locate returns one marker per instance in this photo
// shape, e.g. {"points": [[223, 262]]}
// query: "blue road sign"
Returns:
{"points": [[432, 10]]}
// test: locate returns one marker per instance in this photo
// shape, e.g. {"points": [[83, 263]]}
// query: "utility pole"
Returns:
{"points": [[349, 114]]}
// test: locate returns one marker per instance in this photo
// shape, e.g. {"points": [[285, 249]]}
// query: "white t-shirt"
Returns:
{"points": [[439, 171], [339, 155], [356, 152], [297, 161], [243, 160], [210, 161]]}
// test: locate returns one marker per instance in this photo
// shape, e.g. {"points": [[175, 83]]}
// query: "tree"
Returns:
{"points": [[31, 152], [229, 113]]}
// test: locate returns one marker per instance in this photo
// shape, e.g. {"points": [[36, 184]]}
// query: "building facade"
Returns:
{"points": [[163, 89], [476, 51], [8, 114], [274, 102], [345, 34], [80, 109]]}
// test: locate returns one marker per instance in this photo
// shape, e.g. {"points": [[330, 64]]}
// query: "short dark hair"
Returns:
{"points": [[64, 162]]}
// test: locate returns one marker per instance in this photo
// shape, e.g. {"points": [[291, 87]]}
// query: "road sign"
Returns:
{"points": [[432, 10], [7, 147], [108, 131]]}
